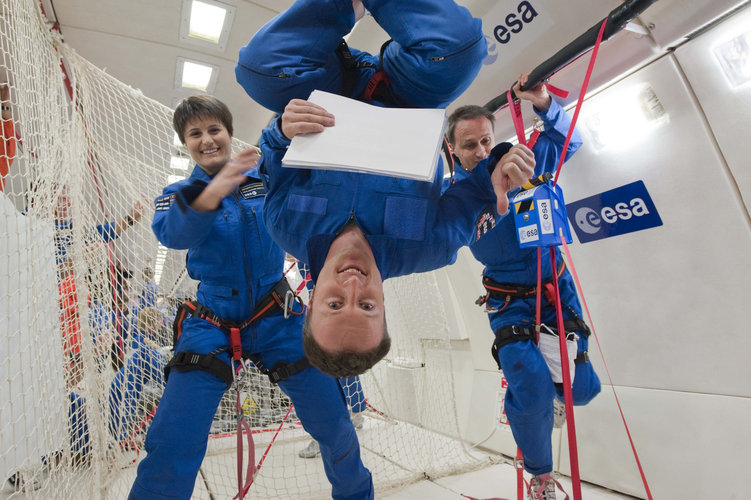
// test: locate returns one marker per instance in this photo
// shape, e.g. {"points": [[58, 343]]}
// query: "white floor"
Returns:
{"points": [[492, 483]]}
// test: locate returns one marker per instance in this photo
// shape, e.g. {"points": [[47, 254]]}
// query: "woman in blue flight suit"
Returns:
{"points": [[531, 389], [217, 215]]}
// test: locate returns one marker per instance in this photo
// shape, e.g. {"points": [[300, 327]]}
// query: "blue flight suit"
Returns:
{"points": [[145, 365], [236, 262], [436, 50], [409, 225], [530, 387], [64, 235]]}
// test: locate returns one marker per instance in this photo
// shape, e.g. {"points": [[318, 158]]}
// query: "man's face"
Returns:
{"points": [[473, 140], [208, 143], [348, 309]]}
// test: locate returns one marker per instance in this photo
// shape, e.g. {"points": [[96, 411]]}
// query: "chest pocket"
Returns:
{"points": [[307, 204], [405, 218]]}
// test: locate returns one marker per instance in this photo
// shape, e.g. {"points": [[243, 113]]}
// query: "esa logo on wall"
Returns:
{"points": [[510, 21], [621, 210]]}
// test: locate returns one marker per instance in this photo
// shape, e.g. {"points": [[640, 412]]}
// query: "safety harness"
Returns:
{"points": [[279, 298], [378, 86], [509, 291]]}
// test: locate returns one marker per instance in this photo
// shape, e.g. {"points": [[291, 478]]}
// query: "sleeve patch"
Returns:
{"points": [[251, 190], [485, 222], [164, 202]]}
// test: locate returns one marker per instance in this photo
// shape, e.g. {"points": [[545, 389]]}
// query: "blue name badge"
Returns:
{"points": [[621, 210], [540, 216]]}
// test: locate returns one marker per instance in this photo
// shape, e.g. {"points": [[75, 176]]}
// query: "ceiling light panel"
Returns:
{"points": [[195, 75], [206, 23]]}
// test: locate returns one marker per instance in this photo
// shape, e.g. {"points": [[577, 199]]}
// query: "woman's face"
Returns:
{"points": [[208, 143]]}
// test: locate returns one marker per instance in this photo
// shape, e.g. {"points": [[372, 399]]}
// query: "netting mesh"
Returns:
{"points": [[87, 295]]}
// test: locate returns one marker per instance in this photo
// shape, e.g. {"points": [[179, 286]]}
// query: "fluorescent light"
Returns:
{"points": [[621, 118], [161, 256], [206, 21], [196, 76], [734, 57], [176, 138], [179, 162]]}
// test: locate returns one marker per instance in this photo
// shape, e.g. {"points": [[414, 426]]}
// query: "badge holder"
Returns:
{"points": [[540, 214]]}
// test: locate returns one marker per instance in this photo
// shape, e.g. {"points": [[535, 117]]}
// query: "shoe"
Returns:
{"points": [[542, 487], [559, 413], [358, 420], [310, 451]]}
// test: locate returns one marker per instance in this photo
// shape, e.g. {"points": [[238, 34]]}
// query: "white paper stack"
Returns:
{"points": [[398, 142]]}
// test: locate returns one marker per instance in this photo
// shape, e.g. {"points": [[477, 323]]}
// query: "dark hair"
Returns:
{"points": [[344, 363], [200, 106], [468, 112]]}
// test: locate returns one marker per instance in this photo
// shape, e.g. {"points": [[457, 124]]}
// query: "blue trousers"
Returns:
{"points": [[436, 52], [178, 437], [353, 393], [530, 392]]}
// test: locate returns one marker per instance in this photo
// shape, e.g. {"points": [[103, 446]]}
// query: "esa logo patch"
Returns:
{"points": [[619, 211], [252, 190], [164, 202], [485, 222]]}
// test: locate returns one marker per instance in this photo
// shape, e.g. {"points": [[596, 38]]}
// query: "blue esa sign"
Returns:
{"points": [[621, 210]]}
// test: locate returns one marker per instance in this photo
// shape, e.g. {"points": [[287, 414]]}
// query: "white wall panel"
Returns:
{"points": [[691, 446], [664, 299], [728, 109]]}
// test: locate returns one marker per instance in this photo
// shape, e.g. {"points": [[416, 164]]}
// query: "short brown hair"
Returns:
{"points": [[149, 320], [468, 112], [200, 106], [344, 363]]}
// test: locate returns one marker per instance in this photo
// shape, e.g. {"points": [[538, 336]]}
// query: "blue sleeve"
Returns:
{"points": [[550, 143], [107, 231], [273, 144], [176, 225], [461, 207]]}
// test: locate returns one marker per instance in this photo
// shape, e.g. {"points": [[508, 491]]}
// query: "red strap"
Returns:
{"points": [[260, 462], [567, 396], [516, 116], [612, 386], [556, 91], [519, 466], [533, 138], [242, 424], [235, 343], [580, 101], [378, 78]]}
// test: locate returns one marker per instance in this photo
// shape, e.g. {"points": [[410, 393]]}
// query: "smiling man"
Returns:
{"points": [[355, 230]]}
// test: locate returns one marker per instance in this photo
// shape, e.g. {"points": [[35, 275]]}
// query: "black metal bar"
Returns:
{"points": [[617, 19]]}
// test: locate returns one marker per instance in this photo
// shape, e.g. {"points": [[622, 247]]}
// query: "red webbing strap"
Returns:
{"points": [[580, 101], [556, 91], [281, 424], [602, 355], [567, 397], [235, 343], [304, 283], [533, 138], [519, 466], [242, 424], [516, 117]]}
